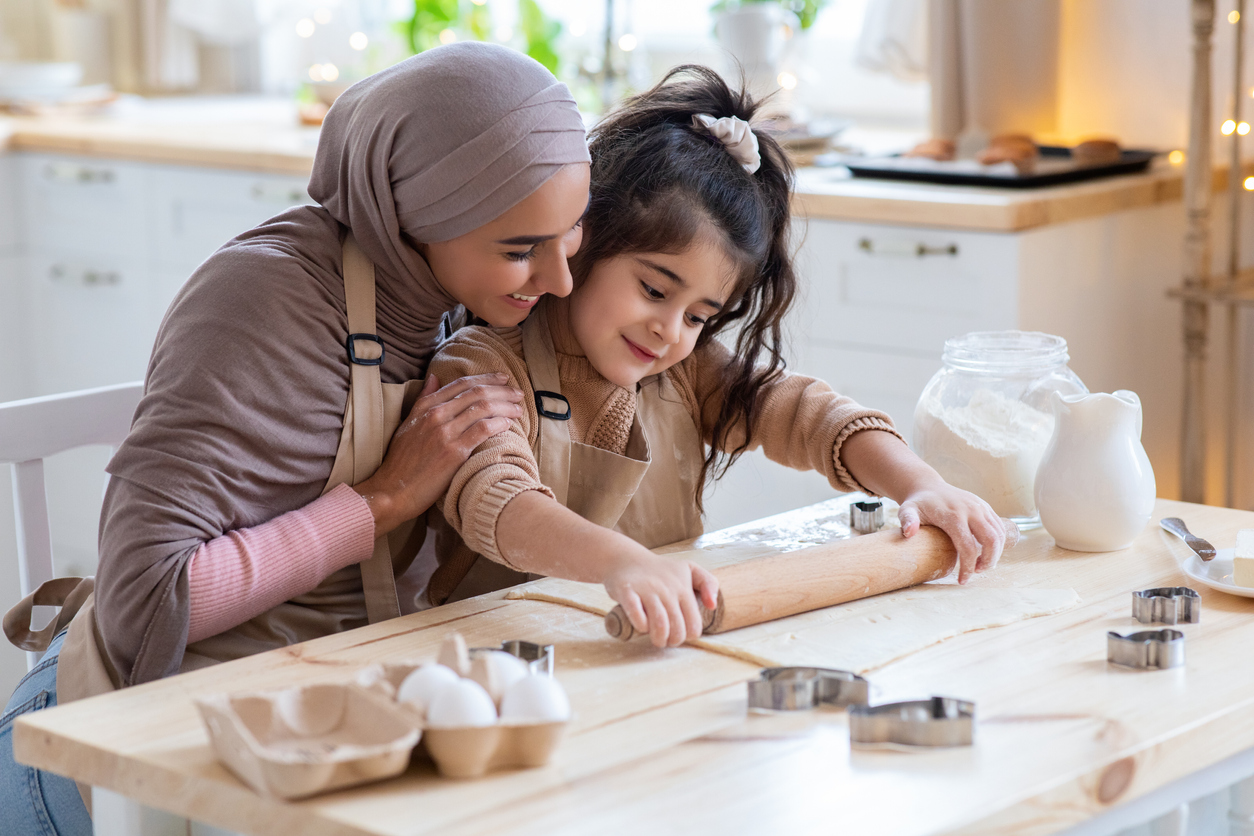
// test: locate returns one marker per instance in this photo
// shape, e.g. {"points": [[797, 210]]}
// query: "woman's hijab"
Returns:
{"points": [[245, 393]]}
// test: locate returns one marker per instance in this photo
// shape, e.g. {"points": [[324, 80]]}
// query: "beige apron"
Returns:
{"points": [[646, 494], [356, 595]]}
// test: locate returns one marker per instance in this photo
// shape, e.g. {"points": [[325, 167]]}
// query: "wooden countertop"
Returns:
{"points": [[662, 742], [262, 135]]}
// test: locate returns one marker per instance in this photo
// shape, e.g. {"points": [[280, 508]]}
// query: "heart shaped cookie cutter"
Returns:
{"points": [[1148, 650], [798, 689], [1167, 605], [938, 721], [539, 657]]}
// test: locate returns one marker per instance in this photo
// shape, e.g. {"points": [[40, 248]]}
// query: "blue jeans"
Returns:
{"points": [[34, 802]]}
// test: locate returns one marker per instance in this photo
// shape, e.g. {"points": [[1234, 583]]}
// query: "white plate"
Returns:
{"points": [[1216, 573]]}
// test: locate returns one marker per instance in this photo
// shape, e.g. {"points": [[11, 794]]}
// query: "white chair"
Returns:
{"points": [[34, 429]]}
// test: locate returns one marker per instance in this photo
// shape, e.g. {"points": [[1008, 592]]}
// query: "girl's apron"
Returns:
{"points": [[353, 596], [647, 494]]}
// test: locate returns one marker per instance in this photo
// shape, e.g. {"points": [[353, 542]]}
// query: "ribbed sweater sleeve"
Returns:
{"points": [[801, 423], [502, 467], [246, 572]]}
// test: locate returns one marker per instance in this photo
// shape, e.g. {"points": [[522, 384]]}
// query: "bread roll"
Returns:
{"points": [[1097, 152], [933, 149], [1011, 148]]}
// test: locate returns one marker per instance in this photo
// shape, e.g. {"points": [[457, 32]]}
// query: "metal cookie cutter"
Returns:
{"points": [[1167, 605], [793, 689], [939, 721], [539, 657], [866, 517], [1148, 650]]}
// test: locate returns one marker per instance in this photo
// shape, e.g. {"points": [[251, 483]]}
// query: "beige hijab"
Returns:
{"points": [[244, 397]]}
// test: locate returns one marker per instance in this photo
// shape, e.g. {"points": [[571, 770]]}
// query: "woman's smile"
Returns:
{"points": [[521, 301]]}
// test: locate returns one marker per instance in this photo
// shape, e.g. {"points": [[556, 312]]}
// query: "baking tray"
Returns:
{"points": [[1054, 167]]}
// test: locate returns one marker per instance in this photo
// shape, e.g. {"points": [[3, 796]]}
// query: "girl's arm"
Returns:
{"points": [[535, 534]]}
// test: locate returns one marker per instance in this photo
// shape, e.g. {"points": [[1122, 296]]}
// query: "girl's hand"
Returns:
{"points": [[439, 434], [659, 596], [976, 531]]}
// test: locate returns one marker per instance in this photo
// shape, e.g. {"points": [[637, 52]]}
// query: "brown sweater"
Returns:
{"points": [[802, 423]]}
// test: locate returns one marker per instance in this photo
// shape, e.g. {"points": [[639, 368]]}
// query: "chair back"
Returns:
{"points": [[32, 430]]}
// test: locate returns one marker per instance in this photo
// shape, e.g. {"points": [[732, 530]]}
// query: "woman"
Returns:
{"points": [[452, 182]]}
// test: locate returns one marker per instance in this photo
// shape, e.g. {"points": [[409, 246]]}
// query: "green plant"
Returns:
{"points": [[805, 10], [431, 17]]}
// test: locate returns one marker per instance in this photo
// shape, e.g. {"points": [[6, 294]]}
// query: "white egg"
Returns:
{"points": [[535, 699], [461, 703], [496, 671], [421, 686]]}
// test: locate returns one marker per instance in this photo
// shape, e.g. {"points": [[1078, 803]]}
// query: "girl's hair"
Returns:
{"points": [[657, 184]]}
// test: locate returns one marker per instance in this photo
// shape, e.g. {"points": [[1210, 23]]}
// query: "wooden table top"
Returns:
{"points": [[263, 135], [662, 740]]}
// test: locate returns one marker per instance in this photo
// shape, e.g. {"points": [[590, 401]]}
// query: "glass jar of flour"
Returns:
{"points": [[984, 419]]}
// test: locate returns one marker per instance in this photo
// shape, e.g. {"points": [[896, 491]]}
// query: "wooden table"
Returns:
{"points": [[662, 742]]}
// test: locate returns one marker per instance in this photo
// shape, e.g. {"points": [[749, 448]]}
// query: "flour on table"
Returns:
{"points": [[858, 636], [991, 447]]}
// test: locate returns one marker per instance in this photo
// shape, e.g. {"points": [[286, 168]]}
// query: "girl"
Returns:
{"points": [[282, 370], [632, 404]]}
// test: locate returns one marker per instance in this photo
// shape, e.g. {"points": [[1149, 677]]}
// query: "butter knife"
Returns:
{"points": [[1176, 526]]}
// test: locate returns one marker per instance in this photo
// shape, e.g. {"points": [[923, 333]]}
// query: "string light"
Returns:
{"points": [[315, 72], [330, 72], [1243, 128], [1234, 16], [1249, 184], [1228, 127], [1176, 157], [787, 80], [358, 41], [627, 42], [447, 36], [305, 27]]}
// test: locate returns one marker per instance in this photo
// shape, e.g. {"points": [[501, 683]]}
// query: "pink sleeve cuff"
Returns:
{"points": [[243, 573]]}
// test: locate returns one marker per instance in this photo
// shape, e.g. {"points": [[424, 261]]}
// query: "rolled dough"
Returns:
{"points": [[858, 636]]}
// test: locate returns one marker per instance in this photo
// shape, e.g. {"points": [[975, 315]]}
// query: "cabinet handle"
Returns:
{"points": [[87, 277], [905, 248], [74, 173], [279, 193]]}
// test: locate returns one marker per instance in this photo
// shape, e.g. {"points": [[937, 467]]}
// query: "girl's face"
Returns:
{"points": [[639, 314], [500, 270]]}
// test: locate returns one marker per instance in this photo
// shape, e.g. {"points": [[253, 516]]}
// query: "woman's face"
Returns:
{"points": [[500, 270], [639, 314]]}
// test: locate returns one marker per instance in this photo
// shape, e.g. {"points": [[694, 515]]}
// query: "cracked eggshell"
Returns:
{"points": [[496, 671], [535, 699], [420, 687], [460, 704]]}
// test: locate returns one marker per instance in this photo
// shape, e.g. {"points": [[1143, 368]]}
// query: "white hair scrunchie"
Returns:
{"points": [[735, 134]]}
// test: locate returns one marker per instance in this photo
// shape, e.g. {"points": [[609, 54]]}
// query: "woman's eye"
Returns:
{"points": [[652, 292], [523, 256]]}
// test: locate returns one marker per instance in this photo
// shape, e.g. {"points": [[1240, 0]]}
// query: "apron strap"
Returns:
{"points": [[365, 356], [553, 438], [66, 593]]}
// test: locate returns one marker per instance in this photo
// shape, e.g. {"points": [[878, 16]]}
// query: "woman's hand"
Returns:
{"points": [[973, 527], [439, 434], [659, 595]]}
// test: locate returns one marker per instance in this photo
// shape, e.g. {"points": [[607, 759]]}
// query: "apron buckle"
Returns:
{"points": [[541, 395], [364, 361]]}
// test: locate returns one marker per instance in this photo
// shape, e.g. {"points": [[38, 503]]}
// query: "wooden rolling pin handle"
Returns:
{"points": [[618, 625]]}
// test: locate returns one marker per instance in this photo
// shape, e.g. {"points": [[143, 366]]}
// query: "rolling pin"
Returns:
{"points": [[781, 585]]}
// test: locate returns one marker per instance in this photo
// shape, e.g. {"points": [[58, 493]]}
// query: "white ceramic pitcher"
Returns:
{"points": [[1095, 488]]}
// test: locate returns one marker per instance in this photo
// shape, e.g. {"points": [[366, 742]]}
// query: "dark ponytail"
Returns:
{"points": [[656, 183]]}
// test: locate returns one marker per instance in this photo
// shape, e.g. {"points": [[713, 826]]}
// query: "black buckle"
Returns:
{"points": [[352, 355], [556, 416]]}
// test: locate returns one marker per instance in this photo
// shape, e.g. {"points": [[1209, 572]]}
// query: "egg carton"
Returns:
{"points": [[302, 741], [472, 751]]}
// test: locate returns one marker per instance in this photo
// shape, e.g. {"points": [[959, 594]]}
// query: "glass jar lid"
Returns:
{"points": [[1006, 352]]}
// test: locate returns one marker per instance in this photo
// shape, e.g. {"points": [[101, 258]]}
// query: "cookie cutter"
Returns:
{"points": [[1167, 605], [539, 657], [938, 721], [1147, 650], [797, 689], [866, 517]]}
